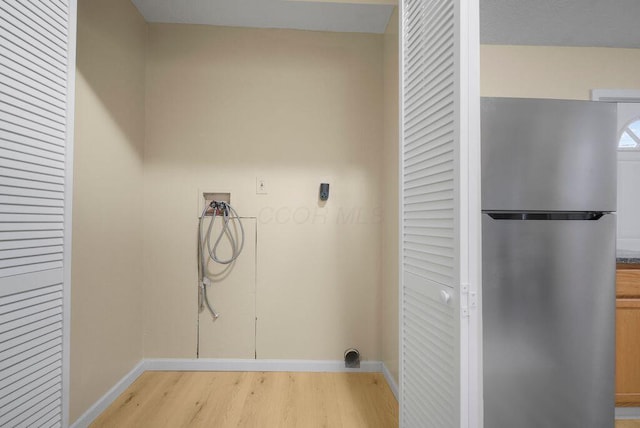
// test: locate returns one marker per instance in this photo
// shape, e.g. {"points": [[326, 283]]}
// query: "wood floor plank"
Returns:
{"points": [[258, 399], [628, 424], [253, 399]]}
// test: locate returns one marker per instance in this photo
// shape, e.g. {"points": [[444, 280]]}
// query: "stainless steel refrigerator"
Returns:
{"points": [[549, 234]]}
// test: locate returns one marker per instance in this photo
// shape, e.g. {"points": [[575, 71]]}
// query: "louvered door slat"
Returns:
{"points": [[53, 346], [47, 416], [25, 171], [18, 126], [429, 39], [53, 321], [34, 56], [32, 184], [22, 77], [34, 148], [30, 209], [38, 122], [430, 135], [436, 99], [21, 384], [28, 170], [430, 241], [22, 63], [36, 75], [437, 139], [29, 203], [27, 27], [48, 20], [39, 16], [23, 226], [61, 18], [438, 120], [422, 266], [438, 45], [12, 302], [433, 152], [28, 235], [26, 252], [31, 91], [19, 350], [49, 160], [22, 113], [33, 267], [34, 262], [26, 367], [23, 311], [31, 244], [62, 6], [30, 402], [18, 98], [31, 193]]}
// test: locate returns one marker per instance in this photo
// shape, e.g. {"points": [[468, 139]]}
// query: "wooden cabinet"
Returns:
{"points": [[628, 336]]}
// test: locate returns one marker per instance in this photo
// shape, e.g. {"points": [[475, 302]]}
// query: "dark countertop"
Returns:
{"points": [[628, 257]]}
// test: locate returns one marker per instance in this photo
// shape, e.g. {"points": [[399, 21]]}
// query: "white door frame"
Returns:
{"points": [[471, 379], [621, 96], [68, 205]]}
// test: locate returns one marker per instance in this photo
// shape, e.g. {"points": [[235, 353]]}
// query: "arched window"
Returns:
{"points": [[630, 136]]}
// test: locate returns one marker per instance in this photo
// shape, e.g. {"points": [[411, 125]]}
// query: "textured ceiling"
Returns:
{"points": [[323, 16], [608, 23]]}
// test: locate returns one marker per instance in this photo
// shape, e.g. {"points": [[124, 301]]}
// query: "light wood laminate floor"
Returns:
{"points": [[258, 399], [628, 424], [254, 399]]}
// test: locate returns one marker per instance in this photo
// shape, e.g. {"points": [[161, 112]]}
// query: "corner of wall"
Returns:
{"points": [[389, 274], [106, 321]]}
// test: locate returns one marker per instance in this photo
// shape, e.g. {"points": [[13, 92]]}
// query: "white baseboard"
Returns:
{"points": [[231, 365], [391, 381], [627, 412], [105, 401]]}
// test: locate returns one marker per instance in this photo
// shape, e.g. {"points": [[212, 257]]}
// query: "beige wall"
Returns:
{"points": [[226, 105], [556, 72], [106, 292], [389, 300]]}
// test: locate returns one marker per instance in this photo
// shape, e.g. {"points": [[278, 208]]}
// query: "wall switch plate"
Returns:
{"points": [[261, 186]]}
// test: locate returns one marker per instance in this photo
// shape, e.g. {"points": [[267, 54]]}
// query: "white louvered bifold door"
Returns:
{"points": [[440, 135], [37, 64]]}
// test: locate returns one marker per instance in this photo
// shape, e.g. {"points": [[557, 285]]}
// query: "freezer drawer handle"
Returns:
{"points": [[587, 215]]}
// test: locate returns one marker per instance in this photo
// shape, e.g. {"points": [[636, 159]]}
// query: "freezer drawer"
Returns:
{"points": [[548, 155], [549, 323]]}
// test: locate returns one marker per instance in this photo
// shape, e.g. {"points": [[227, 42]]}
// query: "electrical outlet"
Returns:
{"points": [[261, 186]]}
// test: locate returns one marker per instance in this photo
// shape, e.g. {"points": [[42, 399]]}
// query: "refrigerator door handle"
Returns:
{"points": [[537, 215]]}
